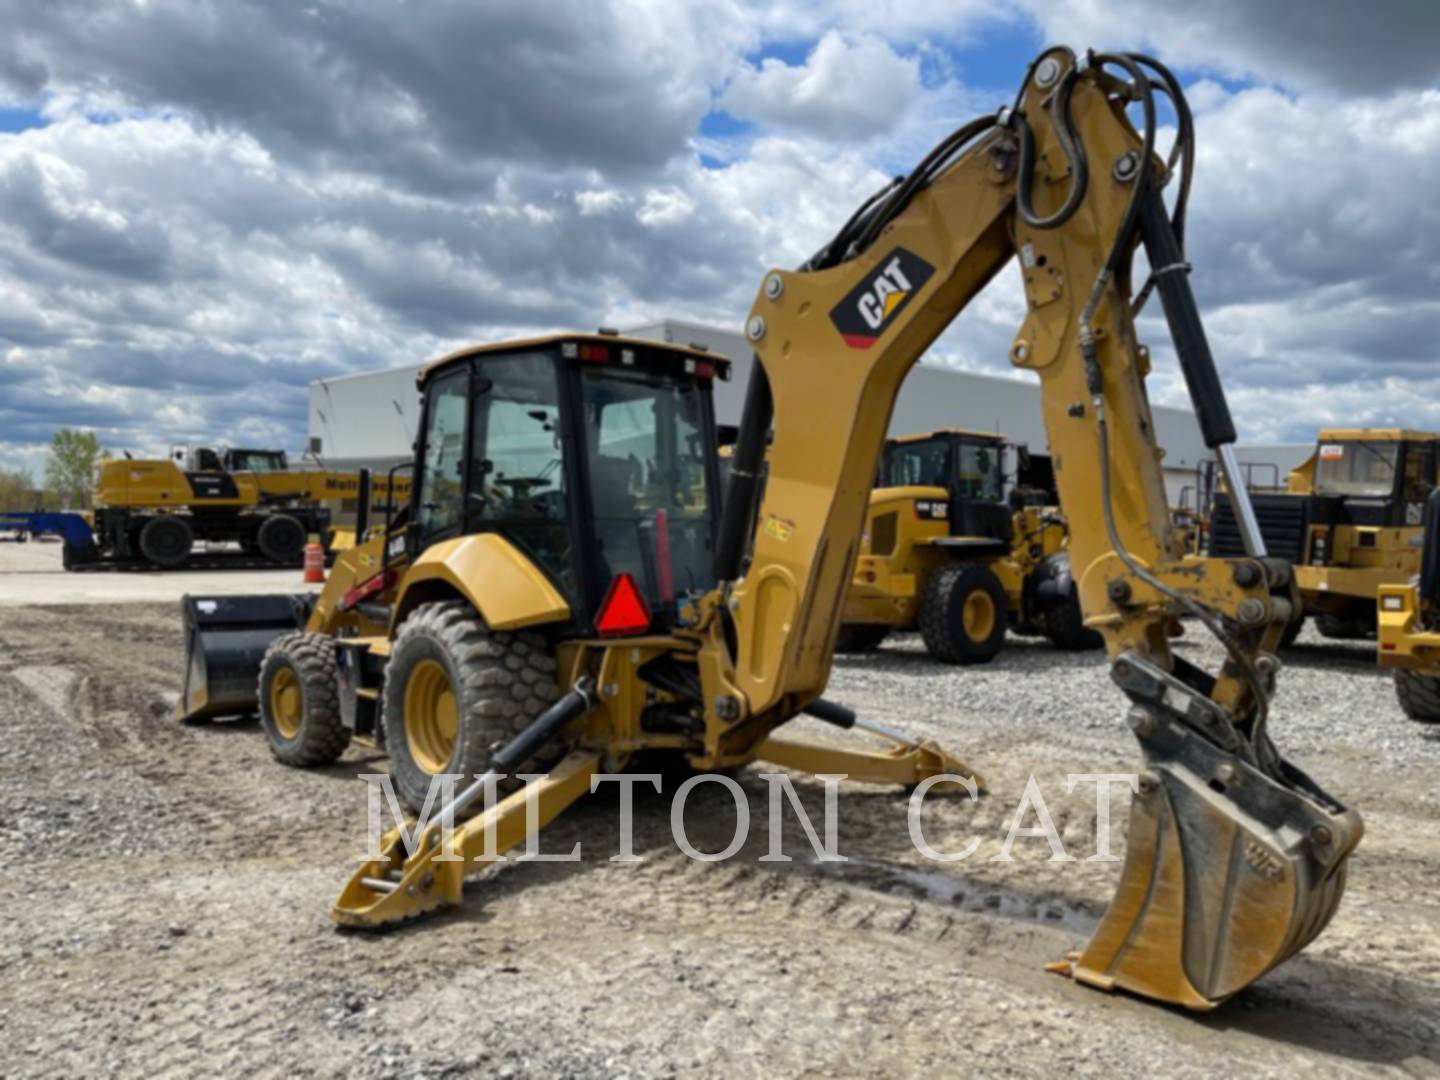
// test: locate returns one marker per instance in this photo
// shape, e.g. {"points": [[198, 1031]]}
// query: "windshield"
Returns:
{"points": [[1356, 468], [257, 461], [923, 463], [647, 449]]}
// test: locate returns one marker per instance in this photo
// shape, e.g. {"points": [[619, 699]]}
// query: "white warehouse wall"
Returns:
{"points": [[371, 418]]}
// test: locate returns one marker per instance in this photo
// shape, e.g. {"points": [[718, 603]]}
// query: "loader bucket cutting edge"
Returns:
{"points": [[225, 641], [1221, 881]]}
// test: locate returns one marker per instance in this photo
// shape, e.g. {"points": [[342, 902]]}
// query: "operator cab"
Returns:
{"points": [[969, 465], [256, 461], [1382, 477], [591, 454]]}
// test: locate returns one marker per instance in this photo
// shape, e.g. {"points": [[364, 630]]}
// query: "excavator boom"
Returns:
{"points": [[1236, 858]]}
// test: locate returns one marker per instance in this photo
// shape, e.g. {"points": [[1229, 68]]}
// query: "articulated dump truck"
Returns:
{"points": [[567, 590]]}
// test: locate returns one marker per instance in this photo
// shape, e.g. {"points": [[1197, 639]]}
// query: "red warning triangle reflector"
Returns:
{"points": [[623, 610]]}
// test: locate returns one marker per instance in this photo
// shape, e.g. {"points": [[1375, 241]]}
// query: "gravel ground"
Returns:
{"points": [[166, 912]]}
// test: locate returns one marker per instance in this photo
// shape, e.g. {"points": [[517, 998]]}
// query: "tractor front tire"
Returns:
{"points": [[166, 541], [456, 692], [860, 637], [963, 614], [299, 695], [1419, 695], [281, 539], [1065, 625]]}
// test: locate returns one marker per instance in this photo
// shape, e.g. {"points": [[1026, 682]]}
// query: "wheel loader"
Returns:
{"points": [[1349, 522], [943, 552], [1408, 621], [154, 510], [560, 596]]}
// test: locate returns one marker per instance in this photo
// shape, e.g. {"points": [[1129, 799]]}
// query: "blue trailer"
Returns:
{"points": [[77, 538]]}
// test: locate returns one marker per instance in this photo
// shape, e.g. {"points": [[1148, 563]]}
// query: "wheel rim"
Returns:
{"points": [[978, 616], [286, 702], [432, 716]]}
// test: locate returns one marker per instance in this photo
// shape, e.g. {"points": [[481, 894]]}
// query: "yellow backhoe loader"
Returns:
{"points": [[943, 552], [1349, 522], [560, 595]]}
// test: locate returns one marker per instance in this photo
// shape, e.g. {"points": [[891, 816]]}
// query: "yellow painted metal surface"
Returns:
{"points": [[506, 588]]}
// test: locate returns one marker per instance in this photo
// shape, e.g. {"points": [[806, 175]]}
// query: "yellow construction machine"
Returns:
{"points": [[565, 591], [944, 552], [1349, 522], [1408, 617], [154, 510]]}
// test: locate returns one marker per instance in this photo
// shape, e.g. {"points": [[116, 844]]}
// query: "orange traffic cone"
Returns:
{"points": [[314, 562]]}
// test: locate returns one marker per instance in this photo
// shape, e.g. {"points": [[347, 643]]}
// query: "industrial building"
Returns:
{"points": [[371, 419]]}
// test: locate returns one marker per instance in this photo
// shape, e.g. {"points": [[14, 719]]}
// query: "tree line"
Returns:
{"points": [[69, 482]]}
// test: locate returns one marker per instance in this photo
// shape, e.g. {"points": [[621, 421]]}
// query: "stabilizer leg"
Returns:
{"points": [[398, 887]]}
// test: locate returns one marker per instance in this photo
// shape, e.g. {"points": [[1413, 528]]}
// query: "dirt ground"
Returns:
{"points": [[166, 908]]}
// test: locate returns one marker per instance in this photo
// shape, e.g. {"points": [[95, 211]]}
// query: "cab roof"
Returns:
{"points": [[921, 436], [680, 352], [1378, 434]]}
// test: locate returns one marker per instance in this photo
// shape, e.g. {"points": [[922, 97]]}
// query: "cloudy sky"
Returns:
{"points": [[206, 204]]}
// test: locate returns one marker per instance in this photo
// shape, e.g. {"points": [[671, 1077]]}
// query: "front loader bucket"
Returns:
{"points": [[1228, 872], [225, 640]]}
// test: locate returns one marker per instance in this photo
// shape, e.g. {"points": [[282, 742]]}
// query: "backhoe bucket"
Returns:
{"points": [[225, 640], [1228, 873]]}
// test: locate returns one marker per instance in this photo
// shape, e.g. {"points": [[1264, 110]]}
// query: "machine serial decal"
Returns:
{"points": [[869, 307]]}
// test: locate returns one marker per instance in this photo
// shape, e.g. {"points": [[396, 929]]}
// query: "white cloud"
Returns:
{"points": [[289, 196], [846, 89]]}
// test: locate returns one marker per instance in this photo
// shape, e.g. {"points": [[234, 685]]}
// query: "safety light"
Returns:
{"points": [[623, 610], [595, 354]]}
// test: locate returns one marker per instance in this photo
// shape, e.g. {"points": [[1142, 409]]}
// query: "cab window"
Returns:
{"points": [[517, 481], [981, 472], [646, 453], [924, 463], [442, 470], [1356, 468]]}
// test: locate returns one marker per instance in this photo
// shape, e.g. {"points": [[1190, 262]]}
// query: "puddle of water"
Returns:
{"points": [[951, 890]]}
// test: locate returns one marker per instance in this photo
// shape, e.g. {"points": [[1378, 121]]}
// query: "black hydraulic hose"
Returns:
{"points": [[933, 164], [1073, 149], [1184, 148]]}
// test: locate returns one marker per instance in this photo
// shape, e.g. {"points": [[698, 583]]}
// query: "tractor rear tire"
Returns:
{"points": [[166, 541], [281, 539], [860, 637], [1419, 695], [1065, 625], [456, 692], [299, 695], [963, 614]]}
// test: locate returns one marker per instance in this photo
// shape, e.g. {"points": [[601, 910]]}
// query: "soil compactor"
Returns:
{"points": [[944, 552], [560, 596]]}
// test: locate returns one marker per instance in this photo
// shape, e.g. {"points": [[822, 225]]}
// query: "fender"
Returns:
{"points": [[508, 590]]}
